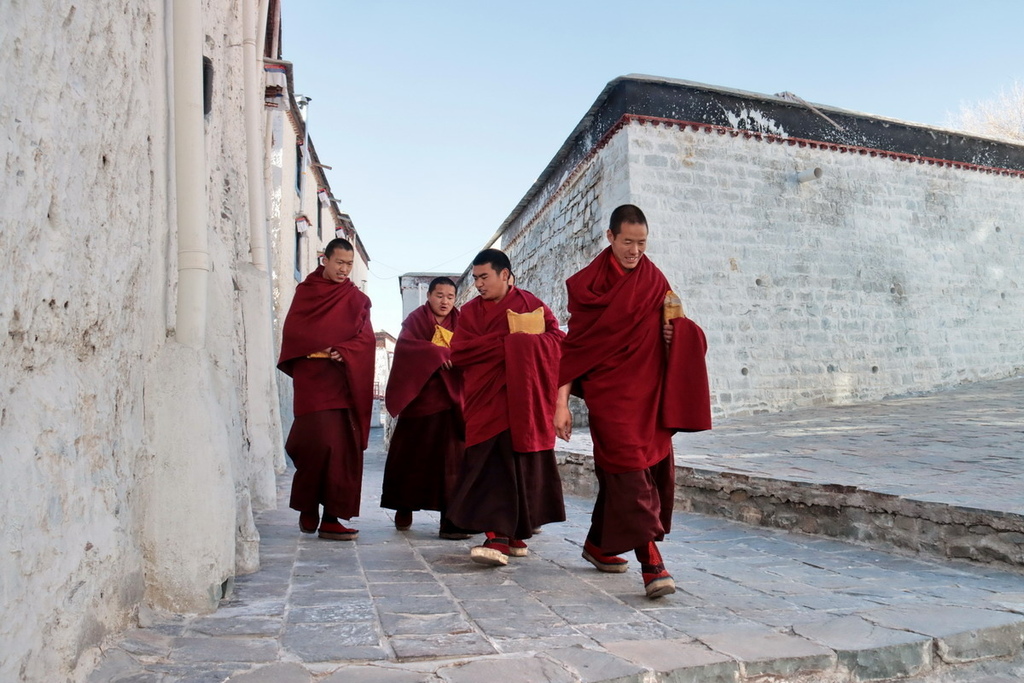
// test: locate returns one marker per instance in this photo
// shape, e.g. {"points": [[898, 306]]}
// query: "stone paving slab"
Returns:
{"points": [[407, 607], [874, 651]]}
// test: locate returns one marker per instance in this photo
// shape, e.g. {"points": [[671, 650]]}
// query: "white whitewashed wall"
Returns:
{"points": [[86, 330], [881, 278]]}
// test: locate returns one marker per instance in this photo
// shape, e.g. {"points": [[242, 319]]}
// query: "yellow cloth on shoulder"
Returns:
{"points": [[526, 323], [442, 337], [673, 307]]}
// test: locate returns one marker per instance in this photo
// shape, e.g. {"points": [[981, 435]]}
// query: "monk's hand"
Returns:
{"points": [[563, 421], [335, 355], [447, 365], [666, 332]]}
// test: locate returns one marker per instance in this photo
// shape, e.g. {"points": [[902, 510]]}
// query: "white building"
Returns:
{"points": [[139, 426], [413, 288], [892, 268], [304, 214]]}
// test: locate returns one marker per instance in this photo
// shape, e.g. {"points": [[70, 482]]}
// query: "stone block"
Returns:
{"points": [[446, 644], [518, 670], [190, 649], [678, 661], [767, 653], [869, 651], [237, 626], [337, 611], [376, 674], [423, 624], [962, 634], [117, 665], [282, 672], [332, 642], [146, 643], [592, 666]]}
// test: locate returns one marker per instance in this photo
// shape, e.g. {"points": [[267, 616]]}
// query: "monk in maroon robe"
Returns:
{"points": [[615, 357], [328, 350], [425, 393], [507, 346]]}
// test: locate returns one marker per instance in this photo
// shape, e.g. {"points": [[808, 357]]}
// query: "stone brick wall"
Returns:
{"points": [[883, 277], [87, 307]]}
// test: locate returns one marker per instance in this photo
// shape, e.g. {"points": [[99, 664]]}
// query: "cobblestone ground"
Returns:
{"points": [[752, 604]]}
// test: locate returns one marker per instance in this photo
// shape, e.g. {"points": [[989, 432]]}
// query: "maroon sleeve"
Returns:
{"points": [[686, 398]]}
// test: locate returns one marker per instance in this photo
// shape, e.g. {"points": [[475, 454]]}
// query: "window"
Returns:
{"points": [[207, 86]]}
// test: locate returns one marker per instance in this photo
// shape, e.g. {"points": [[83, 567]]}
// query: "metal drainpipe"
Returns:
{"points": [[253, 138], [261, 36], [190, 173]]}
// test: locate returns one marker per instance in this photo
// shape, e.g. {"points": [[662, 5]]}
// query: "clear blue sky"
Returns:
{"points": [[437, 115]]}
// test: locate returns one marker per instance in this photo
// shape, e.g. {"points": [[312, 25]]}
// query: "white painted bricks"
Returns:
{"points": [[882, 277]]}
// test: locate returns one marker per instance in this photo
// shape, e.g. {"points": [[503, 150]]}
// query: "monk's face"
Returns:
{"points": [[629, 245], [490, 284], [338, 265], [441, 300]]}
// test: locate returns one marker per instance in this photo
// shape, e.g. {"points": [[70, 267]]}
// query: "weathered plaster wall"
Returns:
{"points": [[883, 277], [86, 320]]}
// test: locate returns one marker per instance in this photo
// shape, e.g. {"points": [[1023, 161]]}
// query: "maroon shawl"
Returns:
{"points": [[615, 358], [510, 379], [417, 384], [325, 314]]}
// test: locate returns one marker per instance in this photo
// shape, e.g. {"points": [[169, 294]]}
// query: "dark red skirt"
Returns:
{"points": [[505, 491], [423, 462], [328, 463], [633, 508]]}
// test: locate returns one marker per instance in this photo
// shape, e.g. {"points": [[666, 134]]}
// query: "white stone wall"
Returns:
{"points": [[883, 277], [90, 413]]}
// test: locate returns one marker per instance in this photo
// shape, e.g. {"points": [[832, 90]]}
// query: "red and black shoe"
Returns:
{"points": [[611, 564], [517, 548], [309, 521], [657, 581], [336, 531], [494, 552], [451, 532], [403, 519]]}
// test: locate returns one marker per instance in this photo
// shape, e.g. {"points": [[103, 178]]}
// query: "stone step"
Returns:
{"points": [[877, 519], [940, 474]]}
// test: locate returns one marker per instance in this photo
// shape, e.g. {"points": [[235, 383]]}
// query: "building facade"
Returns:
{"points": [[303, 212], [830, 256], [140, 427]]}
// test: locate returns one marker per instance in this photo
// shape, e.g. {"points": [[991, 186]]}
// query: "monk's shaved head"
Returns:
{"points": [[627, 213], [338, 243]]}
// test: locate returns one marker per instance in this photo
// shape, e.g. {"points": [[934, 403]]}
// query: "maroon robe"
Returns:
{"points": [[333, 401], [509, 481], [615, 359], [427, 445]]}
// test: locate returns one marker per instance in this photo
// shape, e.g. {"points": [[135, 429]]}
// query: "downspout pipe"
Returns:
{"points": [[252, 70], [261, 37], [190, 174]]}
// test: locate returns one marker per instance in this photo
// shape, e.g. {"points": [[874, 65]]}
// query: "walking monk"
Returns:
{"points": [[642, 379], [328, 351], [507, 345], [425, 394]]}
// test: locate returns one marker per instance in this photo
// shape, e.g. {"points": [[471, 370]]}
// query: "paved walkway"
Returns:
{"points": [[399, 607], [962, 447]]}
